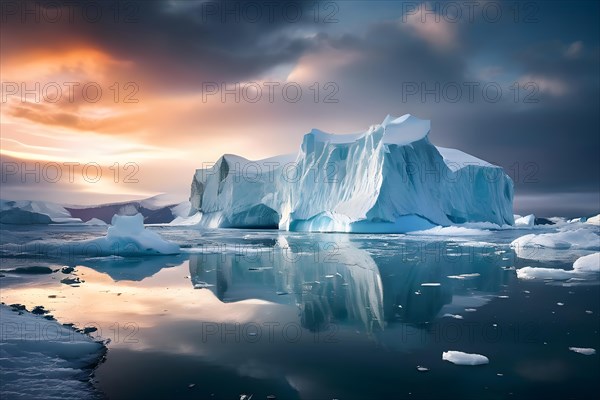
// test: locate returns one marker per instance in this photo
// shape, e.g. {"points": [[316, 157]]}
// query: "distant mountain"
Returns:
{"points": [[156, 210]]}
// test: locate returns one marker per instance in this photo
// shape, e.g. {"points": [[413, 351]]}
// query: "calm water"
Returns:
{"points": [[318, 316]]}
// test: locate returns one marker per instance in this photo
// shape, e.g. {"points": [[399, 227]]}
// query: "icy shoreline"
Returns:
{"points": [[43, 359]]}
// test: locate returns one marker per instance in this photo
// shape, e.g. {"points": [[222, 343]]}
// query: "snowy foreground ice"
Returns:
{"points": [[40, 358], [389, 179]]}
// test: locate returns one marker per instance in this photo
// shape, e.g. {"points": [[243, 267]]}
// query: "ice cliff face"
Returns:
{"points": [[387, 179]]}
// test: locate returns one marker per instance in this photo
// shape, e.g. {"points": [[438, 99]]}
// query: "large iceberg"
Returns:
{"points": [[389, 179]]}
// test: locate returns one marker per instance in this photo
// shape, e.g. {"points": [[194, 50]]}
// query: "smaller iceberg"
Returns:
{"points": [[583, 267], [126, 237], [527, 221]]}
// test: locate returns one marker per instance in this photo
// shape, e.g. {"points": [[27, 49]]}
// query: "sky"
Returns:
{"points": [[114, 100]]}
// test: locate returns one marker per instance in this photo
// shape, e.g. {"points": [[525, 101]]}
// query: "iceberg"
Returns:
{"points": [[388, 179], [525, 222], [127, 236]]}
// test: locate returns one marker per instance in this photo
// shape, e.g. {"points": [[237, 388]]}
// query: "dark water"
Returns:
{"points": [[318, 316]]}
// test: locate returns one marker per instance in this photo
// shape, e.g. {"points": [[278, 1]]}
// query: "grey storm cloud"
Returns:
{"points": [[178, 43], [178, 46]]}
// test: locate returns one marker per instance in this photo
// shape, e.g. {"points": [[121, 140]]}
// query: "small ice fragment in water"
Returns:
{"points": [[470, 309], [589, 312], [202, 285], [422, 369], [460, 358], [463, 276], [583, 350], [455, 316], [191, 385], [281, 293], [329, 276], [499, 374], [503, 296], [560, 304], [431, 284]]}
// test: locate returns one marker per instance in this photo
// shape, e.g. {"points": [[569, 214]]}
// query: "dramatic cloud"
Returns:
{"points": [[185, 81]]}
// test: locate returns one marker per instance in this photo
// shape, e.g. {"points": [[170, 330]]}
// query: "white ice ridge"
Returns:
{"points": [[42, 359], [388, 179]]}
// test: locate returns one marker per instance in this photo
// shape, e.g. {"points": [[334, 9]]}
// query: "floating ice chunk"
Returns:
{"points": [[202, 285], [431, 284], [582, 268], [589, 263], [582, 239], [422, 369], [460, 358], [129, 230], [583, 350], [452, 231], [543, 273], [96, 222], [464, 276], [455, 316], [126, 237], [595, 220], [525, 222]]}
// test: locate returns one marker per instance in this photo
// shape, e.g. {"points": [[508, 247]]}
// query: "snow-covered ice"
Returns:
{"points": [[42, 359], [595, 220], [583, 267], [566, 243], [460, 358], [589, 263], [525, 222], [583, 239], [95, 222]]}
